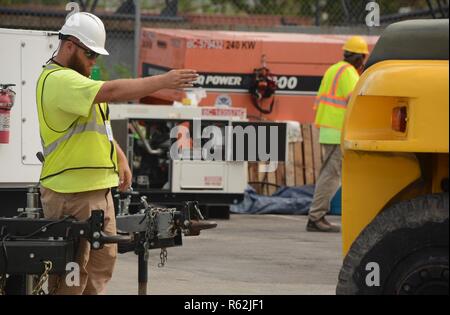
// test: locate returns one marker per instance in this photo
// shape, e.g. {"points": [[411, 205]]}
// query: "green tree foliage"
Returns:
{"points": [[242, 7], [33, 2], [118, 70], [292, 7], [331, 10]]}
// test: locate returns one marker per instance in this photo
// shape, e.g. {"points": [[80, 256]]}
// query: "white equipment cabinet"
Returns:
{"points": [[172, 180], [22, 54], [191, 176]]}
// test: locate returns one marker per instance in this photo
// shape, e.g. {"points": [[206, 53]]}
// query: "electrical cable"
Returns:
{"points": [[5, 254], [42, 228]]}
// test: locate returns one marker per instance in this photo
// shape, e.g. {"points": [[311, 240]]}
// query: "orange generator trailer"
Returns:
{"points": [[226, 62]]}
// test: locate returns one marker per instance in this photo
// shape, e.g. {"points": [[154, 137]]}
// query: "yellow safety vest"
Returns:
{"points": [[84, 145], [333, 95]]}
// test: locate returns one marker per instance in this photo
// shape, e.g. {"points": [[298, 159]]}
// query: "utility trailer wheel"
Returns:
{"points": [[409, 244]]}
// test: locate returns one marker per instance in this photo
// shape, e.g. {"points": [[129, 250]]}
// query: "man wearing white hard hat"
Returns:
{"points": [[82, 161]]}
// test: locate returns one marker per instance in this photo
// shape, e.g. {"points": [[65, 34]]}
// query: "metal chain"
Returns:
{"points": [[2, 284], [151, 227], [150, 231], [162, 257], [37, 290]]}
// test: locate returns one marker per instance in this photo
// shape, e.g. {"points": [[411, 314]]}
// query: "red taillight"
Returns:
{"points": [[399, 118]]}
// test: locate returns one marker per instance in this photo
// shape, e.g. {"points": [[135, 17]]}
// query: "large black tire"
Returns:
{"points": [[410, 243]]}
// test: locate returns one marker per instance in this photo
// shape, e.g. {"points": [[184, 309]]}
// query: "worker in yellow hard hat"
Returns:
{"points": [[356, 49], [331, 104]]}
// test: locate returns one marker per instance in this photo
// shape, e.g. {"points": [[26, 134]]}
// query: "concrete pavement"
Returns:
{"points": [[248, 254]]}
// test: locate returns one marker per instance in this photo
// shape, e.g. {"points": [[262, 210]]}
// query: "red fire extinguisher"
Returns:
{"points": [[7, 97]]}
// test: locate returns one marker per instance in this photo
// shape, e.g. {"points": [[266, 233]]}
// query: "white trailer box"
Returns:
{"points": [[22, 54]]}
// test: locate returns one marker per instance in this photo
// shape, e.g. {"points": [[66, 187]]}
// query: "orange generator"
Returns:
{"points": [[226, 62]]}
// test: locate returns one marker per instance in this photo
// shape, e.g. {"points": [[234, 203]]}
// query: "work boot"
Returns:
{"points": [[322, 225]]}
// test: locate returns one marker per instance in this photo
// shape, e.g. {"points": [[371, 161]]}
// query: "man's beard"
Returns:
{"points": [[76, 64]]}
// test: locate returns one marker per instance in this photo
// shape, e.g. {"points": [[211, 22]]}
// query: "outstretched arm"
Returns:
{"points": [[131, 89]]}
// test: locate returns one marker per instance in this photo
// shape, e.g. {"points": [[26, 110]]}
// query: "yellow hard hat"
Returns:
{"points": [[357, 45]]}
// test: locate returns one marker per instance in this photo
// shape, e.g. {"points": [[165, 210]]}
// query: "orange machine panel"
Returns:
{"points": [[226, 60]]}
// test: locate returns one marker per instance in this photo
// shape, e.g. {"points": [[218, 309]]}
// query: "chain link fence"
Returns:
{"points": [[119, 16]]}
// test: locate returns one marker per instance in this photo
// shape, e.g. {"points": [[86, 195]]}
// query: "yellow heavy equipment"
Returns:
{"points": [[395, 166]]}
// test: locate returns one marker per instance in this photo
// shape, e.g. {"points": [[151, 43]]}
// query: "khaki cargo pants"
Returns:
{"points": [[328, 182], [96, 266]]}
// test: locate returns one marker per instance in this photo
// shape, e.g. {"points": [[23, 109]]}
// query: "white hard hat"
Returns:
{"points": [[89, 29]]}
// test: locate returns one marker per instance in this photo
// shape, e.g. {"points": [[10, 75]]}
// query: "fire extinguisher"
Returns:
{"points": [[7, 97]]}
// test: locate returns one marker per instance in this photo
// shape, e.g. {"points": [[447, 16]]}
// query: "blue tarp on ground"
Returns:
{"points": [[286, 200]]}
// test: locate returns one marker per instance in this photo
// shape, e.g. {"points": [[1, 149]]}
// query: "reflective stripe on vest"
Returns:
{"points": [[330, 106], [79, 128], [332, 101], [336, 79], [83, 145]]}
